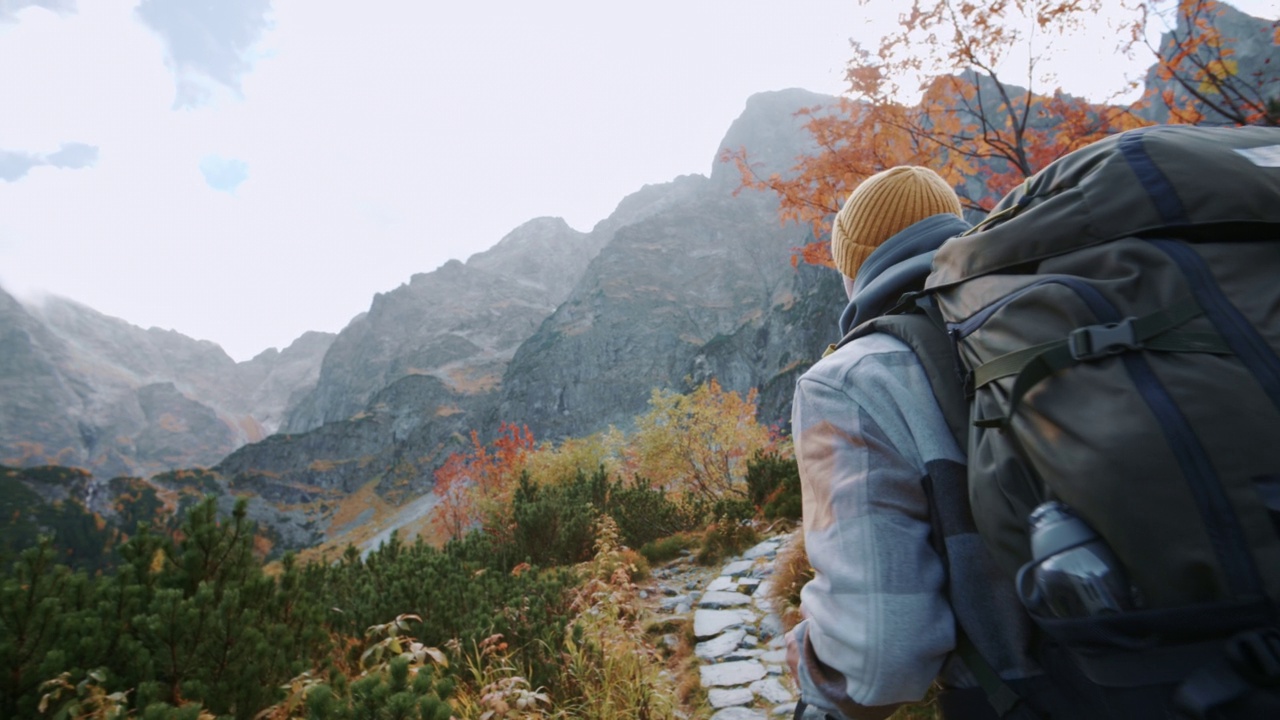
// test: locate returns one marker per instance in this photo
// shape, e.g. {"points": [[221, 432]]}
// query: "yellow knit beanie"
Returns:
{"points": [[884, 205]]}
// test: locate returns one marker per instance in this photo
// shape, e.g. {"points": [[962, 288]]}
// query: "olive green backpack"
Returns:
{"points": [[1115, 325]]}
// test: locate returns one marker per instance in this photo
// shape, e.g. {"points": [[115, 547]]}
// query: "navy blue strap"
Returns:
{"points": [[1154, 181]]}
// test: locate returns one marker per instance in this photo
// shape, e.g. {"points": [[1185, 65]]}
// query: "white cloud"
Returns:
{"points": [[9, 8], [15, 165], [74, 156], [207, 44]]}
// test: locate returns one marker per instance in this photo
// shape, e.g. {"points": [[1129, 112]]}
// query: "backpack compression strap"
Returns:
{"points": [[1157, 331]]}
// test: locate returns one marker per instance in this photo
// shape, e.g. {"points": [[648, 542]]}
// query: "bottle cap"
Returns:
{"points": [[1054, 528]]}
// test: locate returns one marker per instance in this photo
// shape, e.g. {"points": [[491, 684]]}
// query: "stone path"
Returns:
{"points": [[739, 637]]}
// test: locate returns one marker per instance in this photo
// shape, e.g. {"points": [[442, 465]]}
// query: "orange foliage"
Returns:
{"points": [[983, 135], [478, 482], [28, 452], [1200, 61]]}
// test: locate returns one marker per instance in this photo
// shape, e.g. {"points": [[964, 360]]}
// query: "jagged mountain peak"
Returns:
{"points": [[772, 133], [459, 323]]}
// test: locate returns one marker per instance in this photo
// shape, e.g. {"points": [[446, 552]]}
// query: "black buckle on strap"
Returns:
{"points": [[1256, 656], [1095, 341]]}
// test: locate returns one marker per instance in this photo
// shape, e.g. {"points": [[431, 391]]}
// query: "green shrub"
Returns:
{"points": [[553, 524], [725, 538], [645, 513], [668, 548], [468, 590], [733, 509], [195, 621], [773, 484]]}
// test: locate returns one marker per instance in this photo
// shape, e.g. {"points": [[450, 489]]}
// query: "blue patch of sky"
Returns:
{"points": [[224, 174]]}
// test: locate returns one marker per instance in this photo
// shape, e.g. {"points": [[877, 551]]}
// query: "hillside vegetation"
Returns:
{"points": [[527, 610]]}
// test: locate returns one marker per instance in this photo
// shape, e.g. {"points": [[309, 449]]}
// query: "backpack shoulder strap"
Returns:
{"points": [[928, 339], [922, 330]]}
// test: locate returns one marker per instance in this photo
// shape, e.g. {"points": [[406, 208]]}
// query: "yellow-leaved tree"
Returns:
{"points": [[553, 464], [698, 443]]}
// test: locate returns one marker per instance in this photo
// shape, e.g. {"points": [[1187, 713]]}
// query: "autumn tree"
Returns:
{"points": [[558, 464], [477, 484], [699, 442], [983, 117], [1199, 73]]}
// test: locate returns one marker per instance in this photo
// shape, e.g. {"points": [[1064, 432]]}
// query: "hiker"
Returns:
{"points": [[1105, 347], [869, 435]]}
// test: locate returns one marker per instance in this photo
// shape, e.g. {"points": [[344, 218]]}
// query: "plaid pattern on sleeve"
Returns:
{"points": [[878, 626]]}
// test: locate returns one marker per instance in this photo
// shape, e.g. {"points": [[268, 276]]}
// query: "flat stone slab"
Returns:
{"points": [[720, 645], [773, 691], [724, 582], [748, 584], [721, 599], [739, 713], [671, 603], [740, 567], [770, 625], [778, 657], [731, 674], [763, 549], [709, 623], [729, 697]]}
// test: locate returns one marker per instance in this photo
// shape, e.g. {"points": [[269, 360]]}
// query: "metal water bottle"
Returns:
{"points": [[1072, 573]]}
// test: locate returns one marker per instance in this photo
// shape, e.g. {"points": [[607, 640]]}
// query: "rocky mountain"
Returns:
{"points": [[702, 289], [563, 330], [38, 422], [460, 323], [566, 332], [92, 391]]}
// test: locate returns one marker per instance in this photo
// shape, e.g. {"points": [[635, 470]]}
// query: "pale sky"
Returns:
{"points": [[243, 171]]}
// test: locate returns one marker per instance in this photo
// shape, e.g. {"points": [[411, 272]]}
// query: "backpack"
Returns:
{"points": [[1112, 341]]}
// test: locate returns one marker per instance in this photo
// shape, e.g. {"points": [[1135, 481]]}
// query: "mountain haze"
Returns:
{"points": [[93, 391], [563, 331]]}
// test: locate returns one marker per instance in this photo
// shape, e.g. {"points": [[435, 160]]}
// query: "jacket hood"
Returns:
{"points": [[897, 267]]}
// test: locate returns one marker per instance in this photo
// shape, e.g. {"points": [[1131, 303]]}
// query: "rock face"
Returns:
{"points": [[703, 288], [405, 431], [89, 390], [38, 418], [460, 323]]}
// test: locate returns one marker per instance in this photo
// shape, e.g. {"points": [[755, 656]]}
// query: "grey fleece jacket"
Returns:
{"points": [[881, 612]]}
